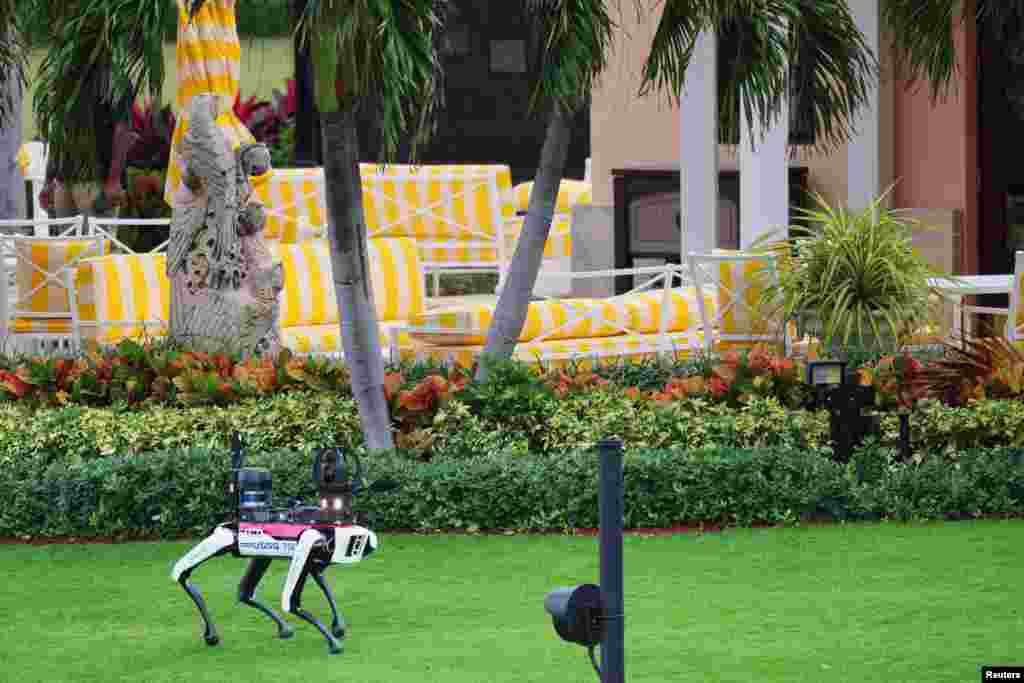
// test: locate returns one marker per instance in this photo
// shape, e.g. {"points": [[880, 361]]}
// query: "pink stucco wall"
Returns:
{"points": [[936, 146]]}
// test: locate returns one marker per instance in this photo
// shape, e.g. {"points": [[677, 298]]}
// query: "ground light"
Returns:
{"points": [[592, 615]]}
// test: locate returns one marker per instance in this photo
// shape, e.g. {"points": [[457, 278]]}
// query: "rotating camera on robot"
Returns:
{"points": [[311, 537]]}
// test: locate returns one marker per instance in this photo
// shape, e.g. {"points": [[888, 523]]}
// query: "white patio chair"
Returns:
{"points": [[739, 279], [35, 313], [108, 229]]}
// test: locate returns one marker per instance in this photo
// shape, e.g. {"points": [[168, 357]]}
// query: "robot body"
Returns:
{"points": [[311, 538]]}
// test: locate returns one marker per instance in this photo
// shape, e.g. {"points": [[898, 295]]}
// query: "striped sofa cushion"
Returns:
{"points": [[327, 338], [130, 289], [645, 310], [468, 324], [559, 238], [309, 297], [439, 202], [39, 264], [295, 204], [570, 193]]}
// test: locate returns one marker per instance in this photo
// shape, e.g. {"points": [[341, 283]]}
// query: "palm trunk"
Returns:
{"points": [[12, 185], [514, 302], [347, 236]]}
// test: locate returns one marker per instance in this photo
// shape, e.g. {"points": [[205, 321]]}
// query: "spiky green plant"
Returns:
{"points": [[855, 273], [13, 54]]}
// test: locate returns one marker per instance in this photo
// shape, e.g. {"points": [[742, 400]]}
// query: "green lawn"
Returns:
{"points": [[267, 64], [851, 603]]}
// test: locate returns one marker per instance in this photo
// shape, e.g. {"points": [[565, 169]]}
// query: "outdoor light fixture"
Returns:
{"points": [[592, 615], [826, 372], [577, 614]]}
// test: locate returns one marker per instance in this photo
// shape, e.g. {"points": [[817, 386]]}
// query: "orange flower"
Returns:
{"points": [[633, 392], [718, 387], [731, 359], [392, 383], [14, 384]]}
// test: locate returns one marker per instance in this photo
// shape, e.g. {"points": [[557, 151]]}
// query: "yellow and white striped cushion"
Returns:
{"points": [[740, 287], [309, 298], [327, 338], [468, 324], [407, 202], [570, 193], [563, 351], [559, 238], [208, 61], [124, 288], [295, 203], [38, 271], [645, 309], [41, 325]]}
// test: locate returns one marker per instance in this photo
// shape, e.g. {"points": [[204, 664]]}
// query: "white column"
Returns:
{"points": [[764, 179], [863, 174], [698, 149]]}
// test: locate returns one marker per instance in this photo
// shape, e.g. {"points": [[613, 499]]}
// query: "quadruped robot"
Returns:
{"points": [[312, 537]]}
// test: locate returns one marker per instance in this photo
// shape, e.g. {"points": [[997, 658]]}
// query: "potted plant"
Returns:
{"points": [[853, 278]]}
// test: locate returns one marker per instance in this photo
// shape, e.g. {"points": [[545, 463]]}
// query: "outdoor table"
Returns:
{"points": [[969, 285]]}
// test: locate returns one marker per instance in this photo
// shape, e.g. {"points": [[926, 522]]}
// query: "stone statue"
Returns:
{"points": [[225, 284]]}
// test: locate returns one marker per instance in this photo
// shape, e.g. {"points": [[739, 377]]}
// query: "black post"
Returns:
{"points": [[611, 507], [308, 146]]}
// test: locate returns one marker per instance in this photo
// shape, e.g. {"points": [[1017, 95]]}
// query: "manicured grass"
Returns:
{"points": [[267, 64], [847, 603]]}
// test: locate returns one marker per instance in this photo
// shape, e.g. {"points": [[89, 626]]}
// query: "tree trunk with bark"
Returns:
{"points": [[514, 302], [12, 184], [347, 236]]}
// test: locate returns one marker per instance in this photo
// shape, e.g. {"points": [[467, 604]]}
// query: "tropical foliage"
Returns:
{"points": [[856, 274]]}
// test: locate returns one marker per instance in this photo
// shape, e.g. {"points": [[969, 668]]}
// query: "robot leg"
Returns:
{"points": [[219, 542], [291, 596], [338, 626], [247, 591]]}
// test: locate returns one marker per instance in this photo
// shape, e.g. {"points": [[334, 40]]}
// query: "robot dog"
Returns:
{"points": [[313, 538]]}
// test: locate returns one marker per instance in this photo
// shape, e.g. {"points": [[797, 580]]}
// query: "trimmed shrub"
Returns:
{"points": [[171, 493]]}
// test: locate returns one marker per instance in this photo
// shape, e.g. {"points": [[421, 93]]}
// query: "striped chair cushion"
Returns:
{"points": [[740, 287], [645, 310], [570, 193], [309, 297], [559, 238], [468, 324], [295, 204], [208, 61], [130, 289], [403, 201], [562, 351], [39, 265], [327, 338], [40, 326]]}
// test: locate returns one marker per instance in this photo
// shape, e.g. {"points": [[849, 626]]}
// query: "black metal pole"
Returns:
{"points": [[610, 502]]}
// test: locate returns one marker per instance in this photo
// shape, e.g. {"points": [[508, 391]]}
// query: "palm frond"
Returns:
{"points": [[767, 50], [379, 51], [13, 55], [926, 45], [573, 51], [102, 54]]}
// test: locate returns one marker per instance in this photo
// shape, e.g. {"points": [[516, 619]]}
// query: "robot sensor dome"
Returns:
{"points": [[255, 490]]}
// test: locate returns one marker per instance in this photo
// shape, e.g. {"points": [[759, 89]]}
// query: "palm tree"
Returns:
{"points": [[361, 48], [102, 53], [572, 53], [768, 47], [13, 66], [926, 49]]}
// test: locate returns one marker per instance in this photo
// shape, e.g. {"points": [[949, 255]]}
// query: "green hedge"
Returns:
{"points": [[181, 492]]}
